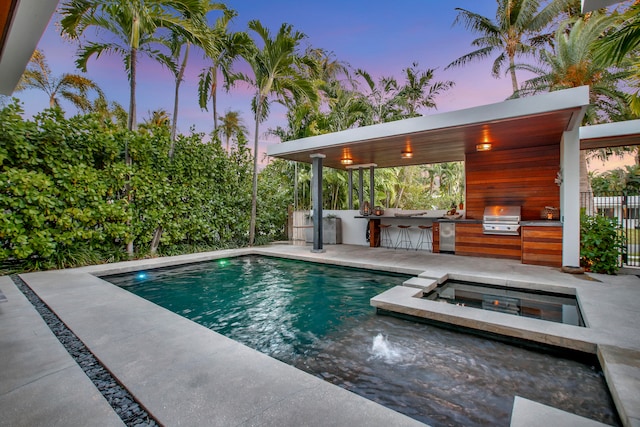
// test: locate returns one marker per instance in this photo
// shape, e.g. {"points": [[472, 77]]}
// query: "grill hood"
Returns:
{"points": [[501, 220]]}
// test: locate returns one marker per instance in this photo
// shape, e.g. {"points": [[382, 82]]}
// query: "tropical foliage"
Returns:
{"points": [[515, 32], [62, 191], [71, 87], [572, 63]]}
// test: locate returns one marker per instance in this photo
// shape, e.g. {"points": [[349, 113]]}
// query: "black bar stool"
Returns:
{"points": [[425, 237], [404, 238], [385, 236]]}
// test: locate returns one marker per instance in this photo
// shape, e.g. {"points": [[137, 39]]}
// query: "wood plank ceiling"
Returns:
{"points": [[447, 144]]}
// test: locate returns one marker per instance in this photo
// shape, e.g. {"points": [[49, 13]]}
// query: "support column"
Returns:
{"points": [[372, 190], [360, 189], [350, 196], [316, 196], [570, 197]]}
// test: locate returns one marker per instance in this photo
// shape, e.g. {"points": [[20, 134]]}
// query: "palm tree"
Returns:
{"points": [[572, 64], [133, 27], [157, 119], [381, 97], [72, 87], [617, 46], [418, 91], [508, 35], [231, 126], [223, 50], [625, 37], [179, 42], [276, 74], [111, 111]]}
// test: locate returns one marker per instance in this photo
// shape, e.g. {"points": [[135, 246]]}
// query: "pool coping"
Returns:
{"points": [[86, 304]]}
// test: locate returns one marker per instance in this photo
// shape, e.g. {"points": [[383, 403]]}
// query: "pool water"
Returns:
{"points": [[318, 318]]}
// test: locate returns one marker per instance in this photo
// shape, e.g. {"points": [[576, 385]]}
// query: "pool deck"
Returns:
{"points": [[185, 374]]}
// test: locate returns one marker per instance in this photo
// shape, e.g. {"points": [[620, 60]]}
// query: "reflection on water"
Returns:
{"points": [[318, 318]]}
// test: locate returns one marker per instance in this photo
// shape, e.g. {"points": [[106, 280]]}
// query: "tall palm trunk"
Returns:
{"points": [[132, 127], [512, 71], [214, 97], [132, 94], [254, 189], [157, 233], [179, 77]]}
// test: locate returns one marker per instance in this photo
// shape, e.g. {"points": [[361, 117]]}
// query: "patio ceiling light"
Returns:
{"points": [[406, 154], [483, 147], [346, 161]]}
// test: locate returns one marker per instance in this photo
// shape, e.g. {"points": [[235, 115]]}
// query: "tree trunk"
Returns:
{"points": [[179, 77], [157, 234], [214, 96], [155, 242], [514, 80], [254, 189], [132, 127]]}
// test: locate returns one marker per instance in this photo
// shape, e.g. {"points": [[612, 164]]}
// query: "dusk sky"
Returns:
{"points": [[380, 37]]}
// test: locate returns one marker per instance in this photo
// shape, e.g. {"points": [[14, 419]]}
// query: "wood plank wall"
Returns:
{"points": [[542, 246], [523, 177]]}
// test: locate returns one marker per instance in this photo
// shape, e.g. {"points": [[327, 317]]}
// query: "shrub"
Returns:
{"points": [[601, 243], [62, 192]]}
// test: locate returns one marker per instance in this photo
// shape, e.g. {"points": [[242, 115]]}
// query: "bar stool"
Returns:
{"points": [[385, 236], [404, 238], [425, 237]]}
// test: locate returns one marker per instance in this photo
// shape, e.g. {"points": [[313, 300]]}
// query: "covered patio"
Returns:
{"points": [[503, 145], [522, 152]]}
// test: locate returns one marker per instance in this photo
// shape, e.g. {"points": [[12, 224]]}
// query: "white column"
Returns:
{"points": [[570, 197]]}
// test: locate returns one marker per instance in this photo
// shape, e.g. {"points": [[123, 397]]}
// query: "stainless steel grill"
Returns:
{"points": [[503, 220]]}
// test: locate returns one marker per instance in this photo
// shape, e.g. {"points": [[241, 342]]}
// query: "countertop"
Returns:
{"points": [[432, 217], [541, 223], [536, 223]]}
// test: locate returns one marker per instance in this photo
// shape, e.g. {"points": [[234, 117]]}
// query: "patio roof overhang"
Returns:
{"points": [[22, 23], [518, 123], [610, 135]]}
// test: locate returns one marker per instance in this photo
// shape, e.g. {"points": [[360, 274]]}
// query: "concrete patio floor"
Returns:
{"points": [[185, 374]]}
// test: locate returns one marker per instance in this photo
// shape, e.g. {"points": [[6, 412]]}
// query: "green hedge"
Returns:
{"points": [[62, 191]]}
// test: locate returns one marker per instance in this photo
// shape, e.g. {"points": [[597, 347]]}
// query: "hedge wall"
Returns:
{"points": [[63, 198]]}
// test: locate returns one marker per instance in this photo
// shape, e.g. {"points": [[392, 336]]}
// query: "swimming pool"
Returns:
{"points": [[317, 318]]}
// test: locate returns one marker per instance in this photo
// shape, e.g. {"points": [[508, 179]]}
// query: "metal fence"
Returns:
{"points": [[625, 210]]}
